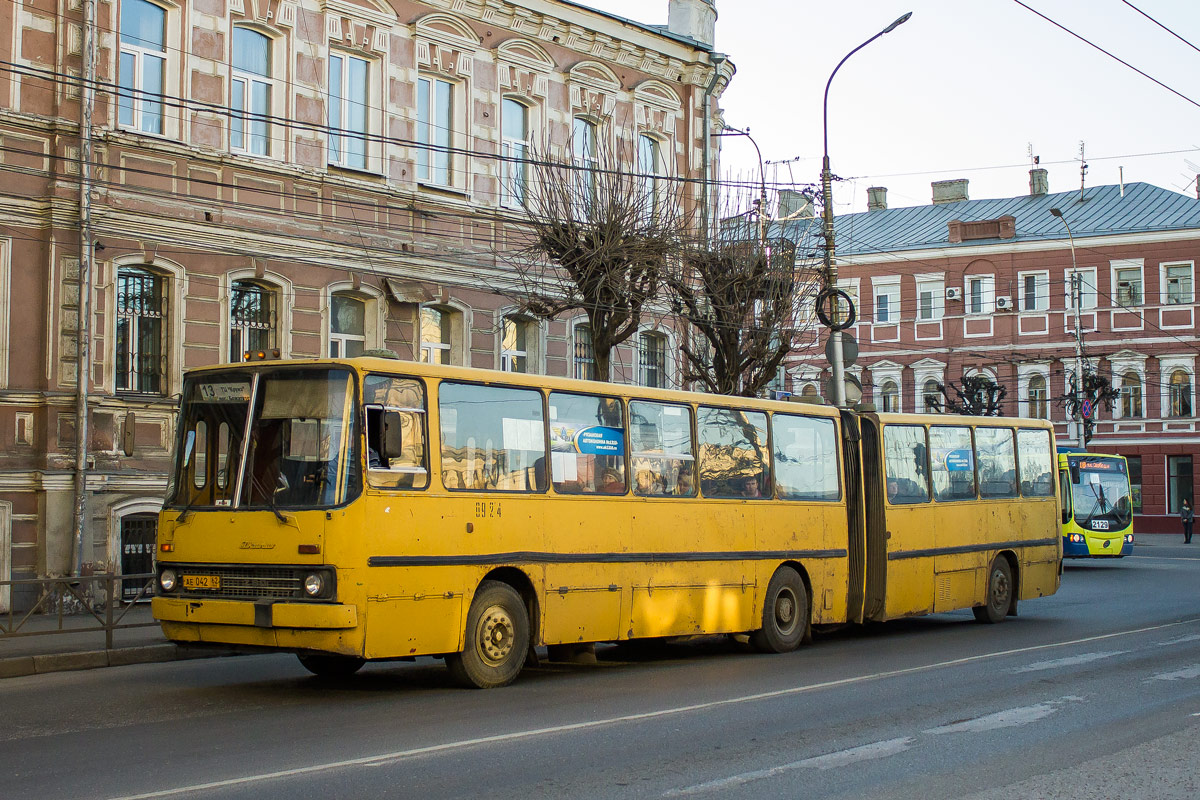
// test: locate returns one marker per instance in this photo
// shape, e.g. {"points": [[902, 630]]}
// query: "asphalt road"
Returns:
{"points": [[1094, 692]]}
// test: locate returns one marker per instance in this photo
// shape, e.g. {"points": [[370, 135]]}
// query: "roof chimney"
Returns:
{"points": [[1039, 181], [794, 205], [949, 191], [877, 198], [695, 19]]}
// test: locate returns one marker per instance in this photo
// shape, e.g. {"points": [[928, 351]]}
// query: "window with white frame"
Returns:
{"points": [[850, 287], [931, 397], [349, 101], [981, 294], [1131, 395], [252, 318], [435, 131], [141, 316], [889, 397], [517, 336], [251, 88], [437, 335], [652, 171], [514, 153], [931, 299], [887, 299], [1176, 283], [142, 70], [347, 325], [1081, 288], [1035, 291], [584, 359], [652, 360], [1037, 398], [585, 156], [1128, 284], [1179, 398]]}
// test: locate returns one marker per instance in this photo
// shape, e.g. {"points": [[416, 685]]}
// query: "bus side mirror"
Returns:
{"points": [[393, 435], [1074, 472]]}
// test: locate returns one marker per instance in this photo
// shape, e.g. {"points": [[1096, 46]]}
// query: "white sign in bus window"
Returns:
{"points": [[565, 466]]}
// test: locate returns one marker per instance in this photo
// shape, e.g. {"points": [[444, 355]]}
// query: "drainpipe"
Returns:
{"points": [[87, 100], [717, 60]]}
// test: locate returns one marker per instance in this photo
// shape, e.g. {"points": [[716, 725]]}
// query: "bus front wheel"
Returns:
{"points": [[785, 613], [331, 666], [999, 593], [496, 641]]}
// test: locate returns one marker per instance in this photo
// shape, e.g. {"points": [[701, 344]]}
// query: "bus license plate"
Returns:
{"points": [[202, 581], [1099, 524]]}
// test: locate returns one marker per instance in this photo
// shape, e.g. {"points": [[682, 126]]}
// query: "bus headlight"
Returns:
{"points": [[167, 580], [1129, 538], [314, 584]]}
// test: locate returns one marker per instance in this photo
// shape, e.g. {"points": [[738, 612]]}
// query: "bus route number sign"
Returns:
{"points": [[483, 510]]}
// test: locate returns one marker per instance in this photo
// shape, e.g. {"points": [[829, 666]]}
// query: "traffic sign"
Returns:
{"points": [[854, 390], [849, 348], [1085, 409]]}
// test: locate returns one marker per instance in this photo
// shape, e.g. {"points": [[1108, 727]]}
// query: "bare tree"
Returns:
{"points": [[976, 396], [595, 238], [741, 295]]}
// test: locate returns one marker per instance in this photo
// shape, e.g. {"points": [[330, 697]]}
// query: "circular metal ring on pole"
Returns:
{"points": [[826, 318]]}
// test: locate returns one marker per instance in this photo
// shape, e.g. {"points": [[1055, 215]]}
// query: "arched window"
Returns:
{"points": [[931, 396], [810, 392], [652, 360], [1180, 403], [141, 316], [889, 397], [347, 325], [585, 354], [516, 337], [142, 68], [586, 157], [514, 152], [1038, 397], [253, 309], [1131, 395], [250, 93]]}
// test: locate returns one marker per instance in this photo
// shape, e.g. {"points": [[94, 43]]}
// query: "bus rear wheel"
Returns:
{"points": [[785, 613], [331, 666], [999, 593], [496, 641]]}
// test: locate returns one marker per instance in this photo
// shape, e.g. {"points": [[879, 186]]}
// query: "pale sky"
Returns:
{"points": [[962, 90]]}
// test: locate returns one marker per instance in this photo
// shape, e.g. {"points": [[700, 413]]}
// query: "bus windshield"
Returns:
{"points": [[1102, 493], [298, 451]]}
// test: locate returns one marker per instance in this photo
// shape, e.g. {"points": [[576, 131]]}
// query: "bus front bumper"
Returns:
{"points": [[1096, 547], [264, 614]]}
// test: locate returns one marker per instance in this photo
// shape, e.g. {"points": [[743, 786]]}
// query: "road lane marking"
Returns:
{"points": [[1191, 637], [841, 758], [1187, 673], [504, 738], [1009, 718], [1071, 661]]}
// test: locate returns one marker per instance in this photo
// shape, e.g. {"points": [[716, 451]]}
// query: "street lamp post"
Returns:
{"points": [[762, 178], [839, 366], [1076, 301]]}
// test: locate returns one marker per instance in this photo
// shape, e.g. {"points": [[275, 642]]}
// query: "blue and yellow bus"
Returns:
{"points": [[1097, 505]]}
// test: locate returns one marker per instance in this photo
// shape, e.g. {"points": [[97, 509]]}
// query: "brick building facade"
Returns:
{"points": [[316, 176], [963, 287]]}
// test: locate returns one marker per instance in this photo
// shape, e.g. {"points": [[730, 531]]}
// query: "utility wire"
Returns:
{"points": [[1159, 24]]}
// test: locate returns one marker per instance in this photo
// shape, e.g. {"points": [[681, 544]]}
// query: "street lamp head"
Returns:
{"points": [[897, 23], [1056, 212]]}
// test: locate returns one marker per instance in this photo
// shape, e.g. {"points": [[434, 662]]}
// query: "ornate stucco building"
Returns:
{"points": [[314, 176]]}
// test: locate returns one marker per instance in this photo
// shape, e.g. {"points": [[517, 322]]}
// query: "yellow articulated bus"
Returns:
{"points": [[363, 509], [1097, 505]]}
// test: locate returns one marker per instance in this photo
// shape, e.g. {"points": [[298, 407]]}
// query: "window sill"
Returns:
{"points": [[361, 173], [443, 191]]}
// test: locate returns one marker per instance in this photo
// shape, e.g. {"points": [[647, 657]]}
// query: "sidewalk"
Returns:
{"points": [[84, 649]]}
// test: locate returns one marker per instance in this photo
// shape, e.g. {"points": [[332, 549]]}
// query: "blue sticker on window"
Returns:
{"points": [[600, 440], [958, 461]]}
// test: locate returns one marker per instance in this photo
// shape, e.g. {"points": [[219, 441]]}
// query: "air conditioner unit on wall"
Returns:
{"points": [[1004, 303], [953, 293]]}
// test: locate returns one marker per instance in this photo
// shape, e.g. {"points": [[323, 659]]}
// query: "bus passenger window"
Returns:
{"points": [[952, 463], [905, 457], [587, 444], [997, 461], [661, 445], [395, 413], [1035, 456], [806, 458], [493, 438], [733, 453]]}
